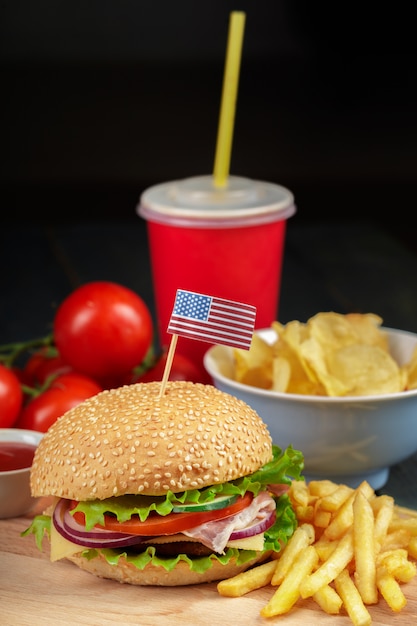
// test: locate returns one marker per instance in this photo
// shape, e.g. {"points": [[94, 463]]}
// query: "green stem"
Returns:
{"points": [[10, 352]]}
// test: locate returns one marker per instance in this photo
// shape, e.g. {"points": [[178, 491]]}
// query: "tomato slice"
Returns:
{"points": [[172, 523]]}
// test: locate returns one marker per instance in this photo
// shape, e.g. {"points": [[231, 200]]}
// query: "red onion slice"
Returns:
{"points": [[70, 529], [257, 526]]}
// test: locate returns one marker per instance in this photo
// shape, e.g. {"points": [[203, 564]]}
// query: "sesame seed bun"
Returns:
{"points": [[131, 441]]}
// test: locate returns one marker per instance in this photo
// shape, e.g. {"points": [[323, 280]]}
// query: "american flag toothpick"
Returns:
{"points": [[208, 318], [216, 320]]}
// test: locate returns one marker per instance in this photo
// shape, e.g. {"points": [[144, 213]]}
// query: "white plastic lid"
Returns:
{"points": [[196, 201]]}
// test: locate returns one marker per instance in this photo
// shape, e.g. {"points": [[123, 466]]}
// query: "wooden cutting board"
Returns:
{"points": [[34, 591]]}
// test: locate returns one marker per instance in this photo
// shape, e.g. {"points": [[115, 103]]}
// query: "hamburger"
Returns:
{"points": [[165, 489]]}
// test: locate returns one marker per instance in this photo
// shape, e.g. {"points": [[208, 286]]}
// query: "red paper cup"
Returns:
{"points": [[225, 242]]}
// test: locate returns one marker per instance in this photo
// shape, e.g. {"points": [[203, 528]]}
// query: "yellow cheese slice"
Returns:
{"points": [[249, 543], [61, 547]]}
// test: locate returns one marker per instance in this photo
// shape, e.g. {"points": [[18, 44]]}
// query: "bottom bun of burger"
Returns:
{"points": [[126, 572]]}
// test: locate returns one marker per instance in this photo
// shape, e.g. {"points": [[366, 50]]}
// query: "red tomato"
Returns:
{"points": [[42, 365], [11, 397], [181, 369], [169, 524], [22, 376], [65, 392], [55, 366], [103, 329], [33, 363]]}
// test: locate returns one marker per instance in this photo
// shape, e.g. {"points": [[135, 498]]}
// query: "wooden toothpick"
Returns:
{"points": [[168, 364]]}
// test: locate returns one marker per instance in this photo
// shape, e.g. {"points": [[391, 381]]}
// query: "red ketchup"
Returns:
{"points": [[15, 455]]}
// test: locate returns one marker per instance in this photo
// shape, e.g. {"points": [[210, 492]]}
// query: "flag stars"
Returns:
{"points": [[192, 305]]}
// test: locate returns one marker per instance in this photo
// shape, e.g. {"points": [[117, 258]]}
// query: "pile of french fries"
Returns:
{"points": [[350, 549]]}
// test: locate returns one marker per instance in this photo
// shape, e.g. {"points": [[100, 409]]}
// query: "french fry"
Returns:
{"points": [[405, 572], [396, 563], [321, 488], [288, 592], [403, 510], [305, 514], [408, 524], [352, 600], [383, 508], [333, 501], [299, 492], [322, 518], [364, 549], [399, 538], [325, 547], [328, 599], [343, 518], [325, 574], [390, 589], [302, 537], [395, 557], [412, 547], [243, 583]]}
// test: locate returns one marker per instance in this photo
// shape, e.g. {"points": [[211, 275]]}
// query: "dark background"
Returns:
{"points": [[102, 98]]}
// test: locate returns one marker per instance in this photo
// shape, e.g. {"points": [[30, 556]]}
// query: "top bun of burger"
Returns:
{"points": [[132, 441]]}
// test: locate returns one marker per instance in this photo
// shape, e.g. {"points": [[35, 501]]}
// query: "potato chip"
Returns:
{"points": [[365, 370], [294, 334], [254, 366], [315, 356], [411, 371], [332, 331], [301, 379], [329, 355], [367, 328], [281, 374]]}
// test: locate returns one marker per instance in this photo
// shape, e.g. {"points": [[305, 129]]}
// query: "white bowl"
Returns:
{"points": [[345, 439], [15, 496]]}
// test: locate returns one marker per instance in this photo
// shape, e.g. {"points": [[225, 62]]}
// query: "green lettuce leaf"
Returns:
{"points": [[198, 564], [40, 526], [285, 524], [285, 466]]}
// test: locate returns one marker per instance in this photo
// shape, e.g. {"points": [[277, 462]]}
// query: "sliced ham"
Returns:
{"points": [[216, 534], [278, 490]]}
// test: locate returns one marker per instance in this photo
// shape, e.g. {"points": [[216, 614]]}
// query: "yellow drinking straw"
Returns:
{"points": [[229, 98]]}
